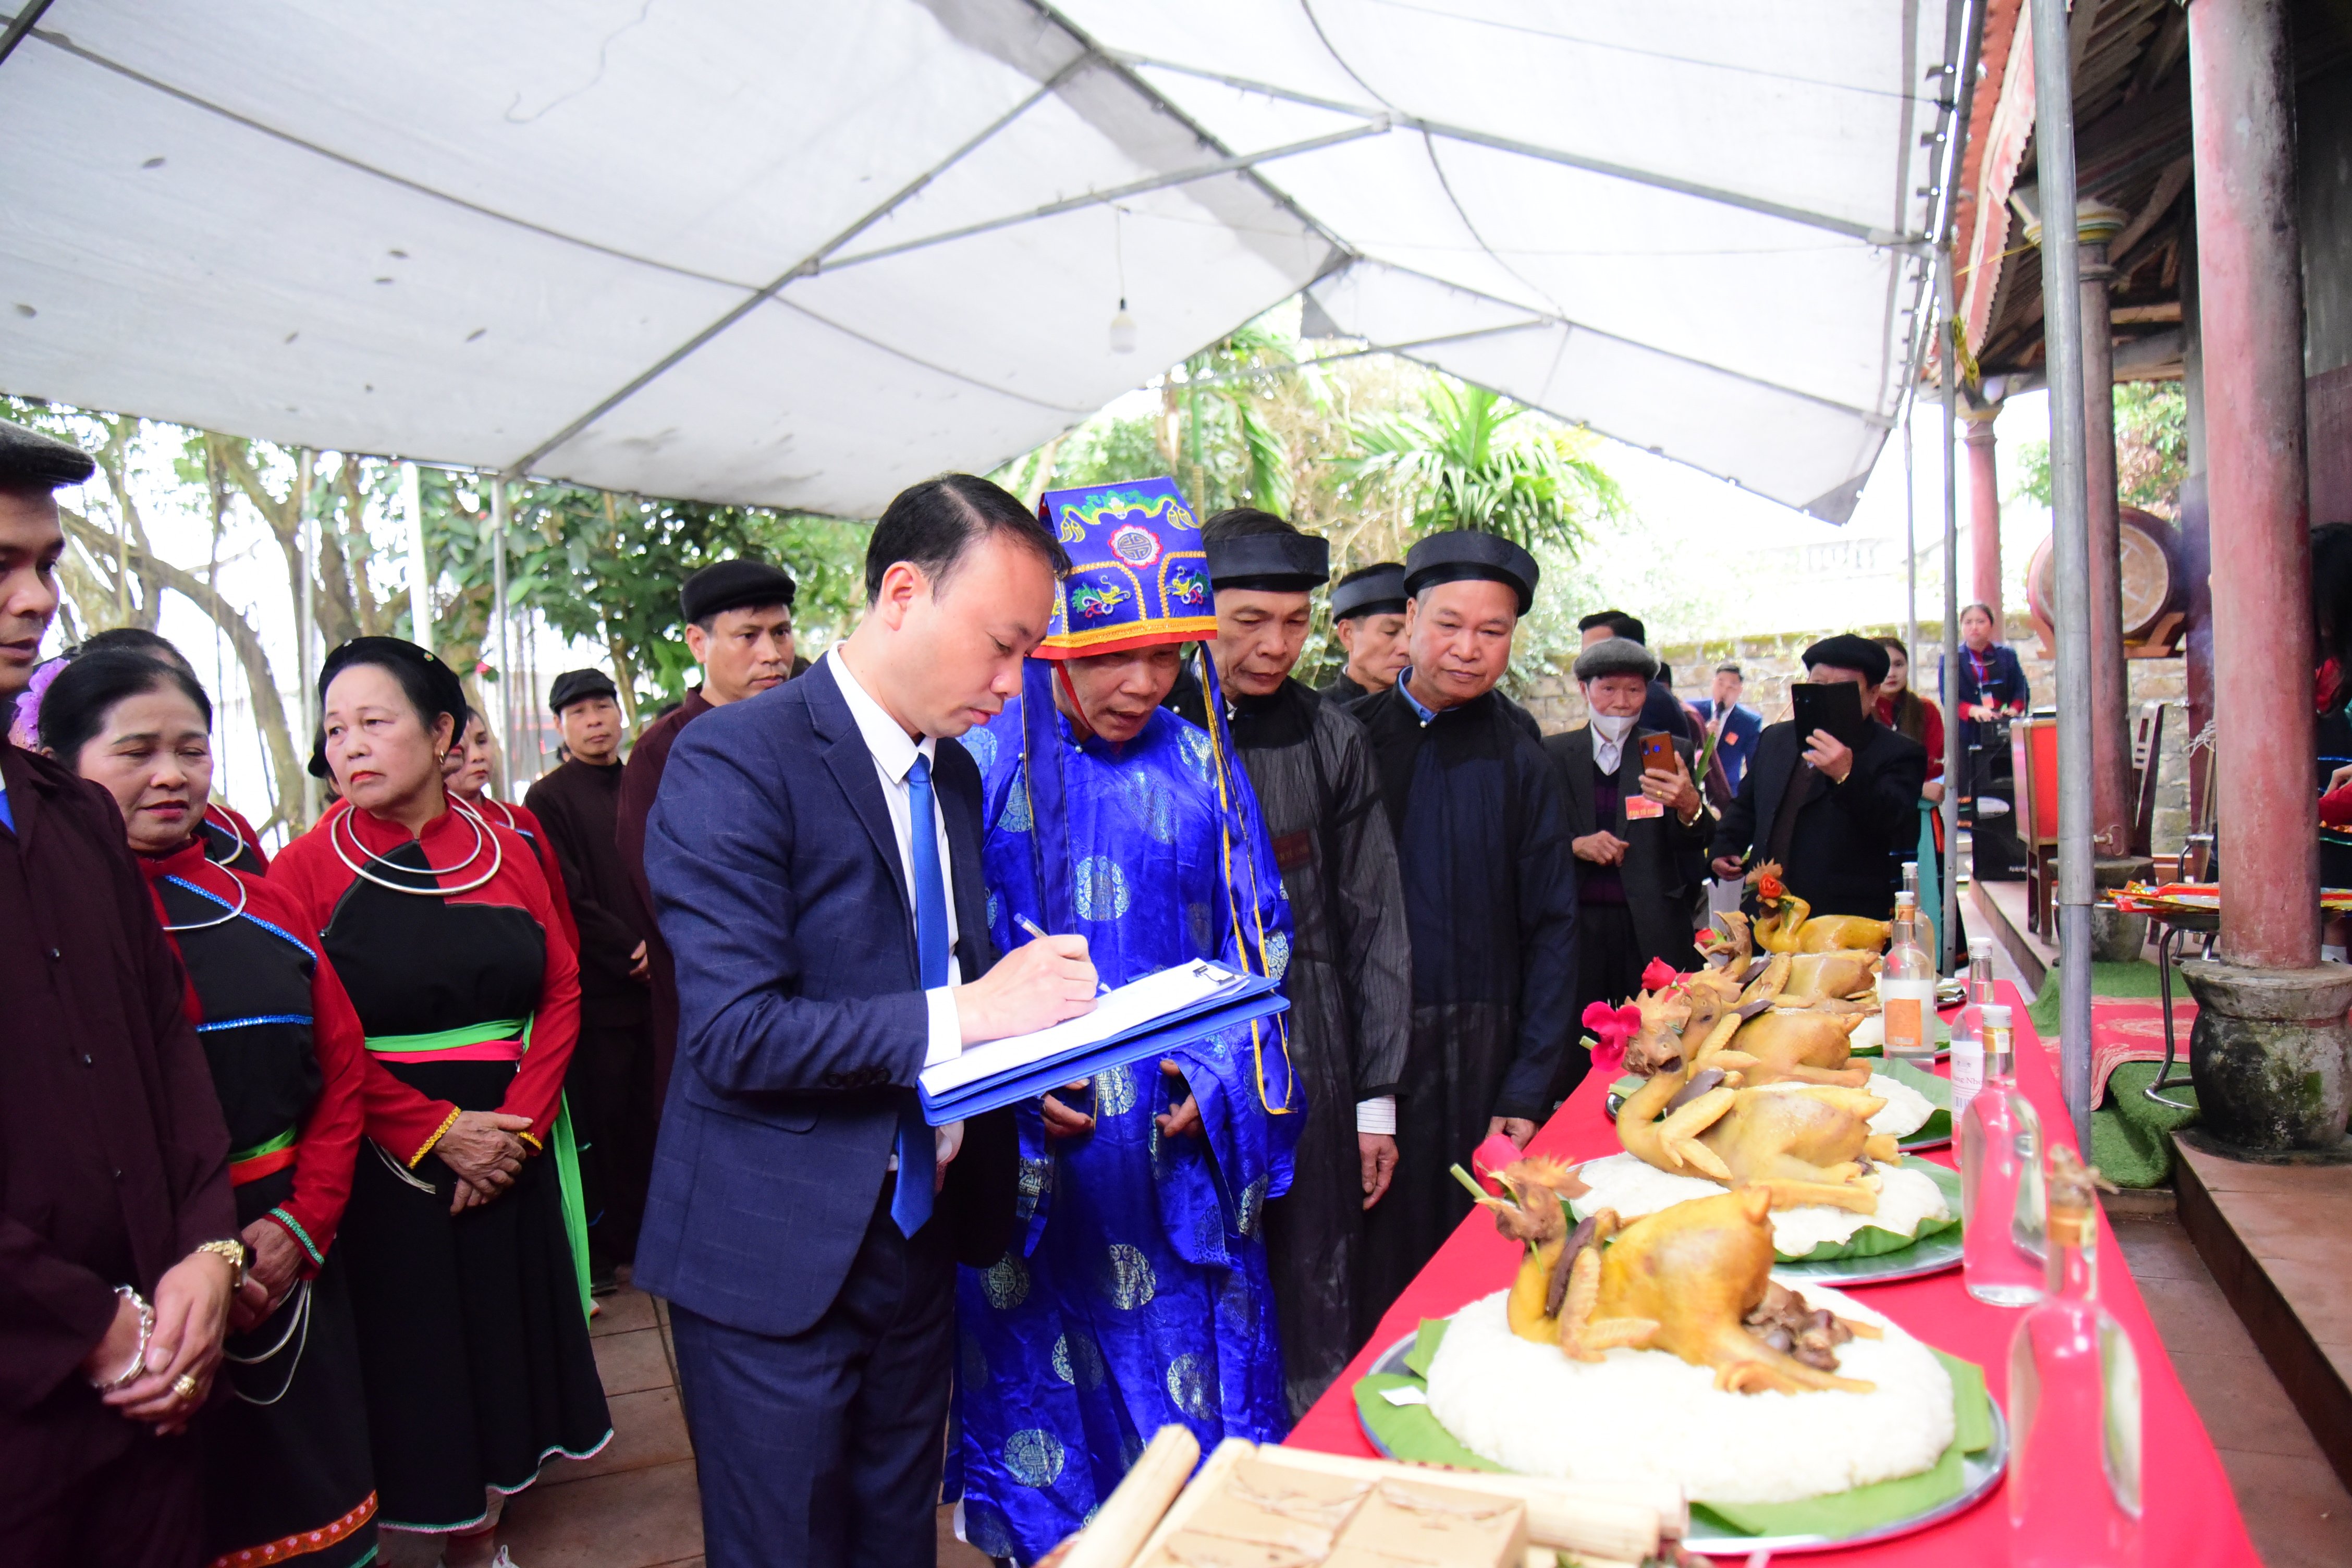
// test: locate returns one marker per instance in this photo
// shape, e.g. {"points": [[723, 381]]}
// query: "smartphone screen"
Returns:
{"points": [[1836, 708]]}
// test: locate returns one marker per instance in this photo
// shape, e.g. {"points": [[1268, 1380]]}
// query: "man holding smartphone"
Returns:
{"points": [[1636, 823], [1828, 811]]}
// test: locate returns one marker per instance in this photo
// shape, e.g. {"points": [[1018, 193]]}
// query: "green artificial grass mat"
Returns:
{"points": [[2135, 980], [2131, 1135]]}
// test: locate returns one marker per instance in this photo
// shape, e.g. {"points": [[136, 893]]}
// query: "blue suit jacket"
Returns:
{"points": [[1739, 732], [777, 882]]}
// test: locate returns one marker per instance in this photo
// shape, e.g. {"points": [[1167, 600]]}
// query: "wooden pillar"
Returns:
{"points": [[2112, 795], [2250, 308], [1984, 512]]}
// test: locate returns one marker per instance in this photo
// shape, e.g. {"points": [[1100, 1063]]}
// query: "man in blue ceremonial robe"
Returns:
{"points": [[1135, 1293]]}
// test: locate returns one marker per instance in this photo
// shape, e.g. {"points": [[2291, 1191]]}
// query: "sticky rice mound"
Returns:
{"points": [[1649, 1414], [1907, 1198]]}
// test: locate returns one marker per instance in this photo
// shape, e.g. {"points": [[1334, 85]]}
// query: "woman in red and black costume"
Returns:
{"points": [[285, 1460], [467, 773], [465, 1283]]}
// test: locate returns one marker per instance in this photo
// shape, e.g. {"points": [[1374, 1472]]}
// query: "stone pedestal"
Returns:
{"points": [[2116, 937], [2272, 1056]]}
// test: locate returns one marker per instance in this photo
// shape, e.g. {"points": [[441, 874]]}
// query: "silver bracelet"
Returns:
{"points": [[146, 1331]]}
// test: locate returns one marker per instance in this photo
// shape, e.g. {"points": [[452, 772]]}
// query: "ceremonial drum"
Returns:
{"points": [[2155, 588]]}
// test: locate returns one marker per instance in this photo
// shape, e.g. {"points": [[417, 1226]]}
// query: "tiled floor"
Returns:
{"points": [[634, 1504], [2298, 1512]]}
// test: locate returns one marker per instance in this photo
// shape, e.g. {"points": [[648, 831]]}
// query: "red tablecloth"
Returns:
{"points": [[2191, 1517]]}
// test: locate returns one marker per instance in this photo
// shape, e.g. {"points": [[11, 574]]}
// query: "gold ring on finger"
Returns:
{"points": [[184, 1386]]}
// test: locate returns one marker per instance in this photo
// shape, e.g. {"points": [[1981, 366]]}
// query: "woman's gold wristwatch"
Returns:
{"points": [[237, 1254]]}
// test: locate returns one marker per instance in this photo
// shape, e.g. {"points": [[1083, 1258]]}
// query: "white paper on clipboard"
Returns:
{"points": [[1129, 1007]]}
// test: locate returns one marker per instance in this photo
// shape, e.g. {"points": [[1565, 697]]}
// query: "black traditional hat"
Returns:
{"points": [[1374, 590], [29, 459], [577, 686], [1847, 651], [1616, 656], [1471, 554], [737, 584], [1284, 563]]}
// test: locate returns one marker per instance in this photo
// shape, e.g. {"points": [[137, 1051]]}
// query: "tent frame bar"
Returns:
{"points": [[1851, 229]]}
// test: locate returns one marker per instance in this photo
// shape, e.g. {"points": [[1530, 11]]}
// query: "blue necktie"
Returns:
{"points": [[911, 1204]]}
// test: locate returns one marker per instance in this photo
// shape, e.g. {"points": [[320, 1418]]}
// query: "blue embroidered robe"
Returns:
{"points": [[1135, 1291]]}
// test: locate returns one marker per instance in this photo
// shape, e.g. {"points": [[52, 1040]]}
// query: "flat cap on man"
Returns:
{"points": [[1616, 656], [1274, 562], [577, 686], [30, 460], [737, 584], [1847, 651], [1469, 553], [1374, 590]]}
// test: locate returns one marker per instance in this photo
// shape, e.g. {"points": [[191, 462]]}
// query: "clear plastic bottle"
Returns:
{"points": [[2003, 1207], [2073, 1404], [1906, 990], [1968, 1032]]}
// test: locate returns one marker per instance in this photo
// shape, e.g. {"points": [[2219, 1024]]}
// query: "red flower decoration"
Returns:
{"points": [[1659, 975], [1611, 1028], [1769, 888], [1491, 1156]]}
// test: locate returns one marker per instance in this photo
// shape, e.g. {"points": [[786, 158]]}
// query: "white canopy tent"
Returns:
{"points": [[801, 254]]}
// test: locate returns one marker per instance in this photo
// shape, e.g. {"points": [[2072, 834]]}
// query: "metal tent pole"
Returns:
{"points": [[1910, 538], [2054, 94], [306, 611], [1963, 90], [506, 655]]}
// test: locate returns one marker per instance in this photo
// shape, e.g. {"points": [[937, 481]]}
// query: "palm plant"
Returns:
{"points": [[1465, 463]]}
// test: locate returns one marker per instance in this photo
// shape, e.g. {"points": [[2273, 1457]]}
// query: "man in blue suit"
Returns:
{"points": [[815, 857], [1740, 724]]}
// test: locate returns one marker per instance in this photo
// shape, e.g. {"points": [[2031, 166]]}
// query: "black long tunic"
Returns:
{"points": [[1480, 825], [113, 1155], [1350, 989], [1840, 843]]}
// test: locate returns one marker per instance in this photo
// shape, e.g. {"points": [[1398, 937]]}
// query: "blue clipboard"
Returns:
{"points": [[1254, 997]]}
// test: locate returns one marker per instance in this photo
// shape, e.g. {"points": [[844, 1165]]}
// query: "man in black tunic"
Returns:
{"points": [[1634, 831], [1830, 813], [1349, 976], [1368, 620], [114, 1193], [739, 627], [1480, 826], [612, 1076]]}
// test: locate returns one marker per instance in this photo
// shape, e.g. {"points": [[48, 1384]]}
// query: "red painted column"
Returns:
{"points": [[2112, 797], [1984, 511], [2250, 286]]}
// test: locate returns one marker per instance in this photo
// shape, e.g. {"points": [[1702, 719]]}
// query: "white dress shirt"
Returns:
{"points": [[894, 752]]}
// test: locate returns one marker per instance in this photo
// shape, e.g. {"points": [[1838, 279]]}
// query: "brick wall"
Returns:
{"points": [[1770, 663]]}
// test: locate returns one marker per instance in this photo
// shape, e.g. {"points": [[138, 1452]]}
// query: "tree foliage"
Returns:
{"points": [[1467, 460], [2151, 450]]}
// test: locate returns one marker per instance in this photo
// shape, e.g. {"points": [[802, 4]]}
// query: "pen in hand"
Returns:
{"points": [[1038, 932]]}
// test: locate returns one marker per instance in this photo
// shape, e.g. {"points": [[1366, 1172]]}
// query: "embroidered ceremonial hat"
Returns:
{"points": [[1138, 575]]}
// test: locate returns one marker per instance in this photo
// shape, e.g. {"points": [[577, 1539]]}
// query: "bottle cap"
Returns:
{"points": [[1980, 944], [1906, 899], [1996, 1015]]}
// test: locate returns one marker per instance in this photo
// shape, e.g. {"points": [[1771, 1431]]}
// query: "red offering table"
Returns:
{"points": [[2191, 1518]]}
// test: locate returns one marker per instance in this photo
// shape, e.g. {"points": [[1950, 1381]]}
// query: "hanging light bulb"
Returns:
{"points": [[1122, 331]]}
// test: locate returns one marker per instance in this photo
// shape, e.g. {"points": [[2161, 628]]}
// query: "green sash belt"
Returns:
{"points": [[562, 1145], [283, 1141]]}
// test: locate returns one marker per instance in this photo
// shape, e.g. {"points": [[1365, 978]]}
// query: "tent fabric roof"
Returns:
{"points": [[802, 254]]}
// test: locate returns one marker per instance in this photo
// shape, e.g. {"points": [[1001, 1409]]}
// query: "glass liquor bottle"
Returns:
{"points": [[2074, 1403], [1968, 1032], [1906, 990], [2001, 1200]]}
